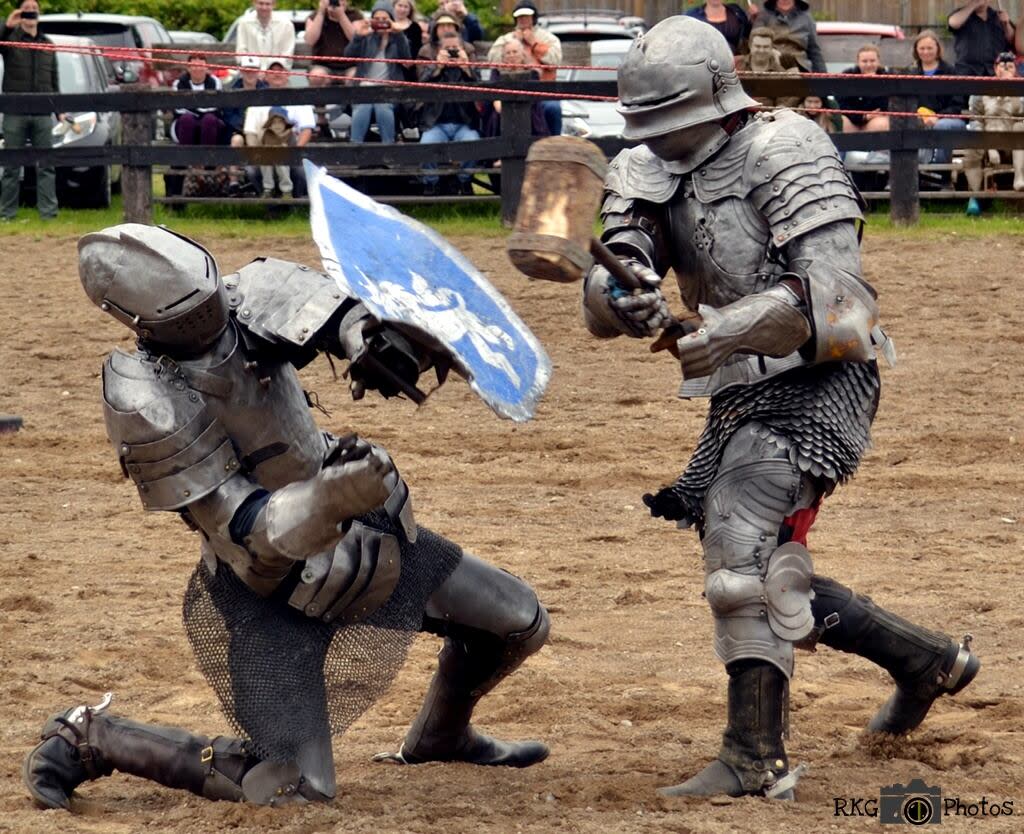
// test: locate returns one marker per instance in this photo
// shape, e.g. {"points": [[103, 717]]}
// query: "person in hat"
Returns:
{"points": [[382, 42], [540, 45]]}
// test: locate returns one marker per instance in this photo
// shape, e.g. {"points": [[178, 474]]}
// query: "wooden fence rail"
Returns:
{"points": [[138, 154]]}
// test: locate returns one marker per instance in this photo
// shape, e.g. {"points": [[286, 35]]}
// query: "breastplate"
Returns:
{"points": [[719, 251], [262, 407]]}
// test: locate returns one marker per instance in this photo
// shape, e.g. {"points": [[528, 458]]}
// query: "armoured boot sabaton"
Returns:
{"points": [[86, 743], [924, 664]]}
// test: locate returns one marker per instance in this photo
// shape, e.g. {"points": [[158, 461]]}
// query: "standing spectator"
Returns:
{"points": [[382, 43], [447, 121], [198, 125], [980, 34], [27, 71], [795, 16], [874, 118], [330, 29], [936, 109], [406, 23], [266, 35], [472, 31], [728, 18], [995, 113], [541, 46]]}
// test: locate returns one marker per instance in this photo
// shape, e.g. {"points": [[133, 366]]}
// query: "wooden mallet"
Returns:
{"points": [[553, 234]]}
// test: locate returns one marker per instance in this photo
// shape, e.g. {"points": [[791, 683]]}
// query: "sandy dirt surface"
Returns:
{"points": [[628, 692]]}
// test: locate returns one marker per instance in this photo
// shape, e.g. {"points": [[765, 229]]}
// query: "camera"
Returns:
{"points": [[29, 15], [453, 52], [379, 25], [916, 804], [334, 3]]}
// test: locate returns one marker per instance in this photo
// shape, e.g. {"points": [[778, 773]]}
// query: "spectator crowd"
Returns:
{"points": [[392, 42]]}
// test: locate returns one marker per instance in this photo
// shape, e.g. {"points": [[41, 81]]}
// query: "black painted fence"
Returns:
{"points": [[138, 154]]}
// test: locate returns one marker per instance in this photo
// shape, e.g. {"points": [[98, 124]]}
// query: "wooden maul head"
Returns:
{"points": [[561, 194]]}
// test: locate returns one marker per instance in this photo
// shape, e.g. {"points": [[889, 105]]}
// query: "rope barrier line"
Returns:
{"points": [[144, 53], [136, 51]]}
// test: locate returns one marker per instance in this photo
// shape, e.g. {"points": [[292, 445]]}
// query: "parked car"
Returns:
{"points": [[195, 38], [298, 17], [840, 41], [81, 72], [584, 26], [595, 118], [114, 30]]}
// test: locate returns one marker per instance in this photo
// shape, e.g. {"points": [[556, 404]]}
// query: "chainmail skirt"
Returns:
{"points": [[824, 411], [284, 678]]}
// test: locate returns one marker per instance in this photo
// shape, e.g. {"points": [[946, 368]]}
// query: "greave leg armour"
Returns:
{"points": [[752, 760], [85, 743], [467, 670], [925, 664]]}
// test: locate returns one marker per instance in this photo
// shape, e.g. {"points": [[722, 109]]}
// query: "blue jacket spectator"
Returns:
{"points": [[248, 79]]}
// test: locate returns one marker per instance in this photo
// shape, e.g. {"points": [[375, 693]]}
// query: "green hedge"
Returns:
{"points": [[215, 16]]}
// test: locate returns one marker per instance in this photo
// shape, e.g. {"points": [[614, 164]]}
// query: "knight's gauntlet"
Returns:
{"points": [[309, 517], [770, 323]]}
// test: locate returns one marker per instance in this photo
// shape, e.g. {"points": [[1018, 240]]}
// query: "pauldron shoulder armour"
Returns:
{"points": [[281, 301], [168, 443]]}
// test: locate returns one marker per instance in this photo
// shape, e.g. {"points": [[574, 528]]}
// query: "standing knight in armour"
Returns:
{"points": [[759, 220], [314, 577]]}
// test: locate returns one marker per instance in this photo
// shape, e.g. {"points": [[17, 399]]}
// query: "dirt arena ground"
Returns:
{"points": [[628, 692]]}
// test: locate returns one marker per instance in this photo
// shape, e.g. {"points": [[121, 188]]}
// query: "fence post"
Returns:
{"points": [[137, 180], [904, 187], [516, 126]]}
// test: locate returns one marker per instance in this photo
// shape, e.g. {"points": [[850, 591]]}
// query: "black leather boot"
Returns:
{"points": [[752, 760], [925, 664], [468, 668], [85, 743]]}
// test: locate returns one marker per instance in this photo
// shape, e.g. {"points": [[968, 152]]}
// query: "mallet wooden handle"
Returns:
{"points": [[625, 276]]}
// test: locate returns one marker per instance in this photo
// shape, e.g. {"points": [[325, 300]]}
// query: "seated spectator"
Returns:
{"points": [[764, 57], [937, 108], [541, 46], [444, 121], [472, 31], [290, 125], [198, 125], [795, 17], [382, 42], [728, 18], [995, 113], [874, 118], [406, 23], [331, 119], [980, 34], [330, 29], [250, 77], [514, 53], [266, 35], [821, 113]]}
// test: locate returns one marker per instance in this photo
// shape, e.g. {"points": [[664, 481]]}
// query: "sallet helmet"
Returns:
{"points": [[164, 286], [677, 75]]}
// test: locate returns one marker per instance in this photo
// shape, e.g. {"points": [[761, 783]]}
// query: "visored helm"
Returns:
{"points": [[677, 75], [162, 285]]}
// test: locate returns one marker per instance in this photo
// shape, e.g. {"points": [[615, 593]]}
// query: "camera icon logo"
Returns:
{"points": [[913, 804]]}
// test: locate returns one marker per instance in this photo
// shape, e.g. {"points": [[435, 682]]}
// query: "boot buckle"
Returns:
{"points": [[952, 678]]}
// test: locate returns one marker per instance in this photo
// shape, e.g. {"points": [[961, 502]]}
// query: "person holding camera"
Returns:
{"points": [[384, 45], [447, 121], [27, 71], [331, 29]]}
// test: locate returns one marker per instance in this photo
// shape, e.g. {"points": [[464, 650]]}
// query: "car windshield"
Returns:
{"points": [[73, 73], [608, 59]]}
